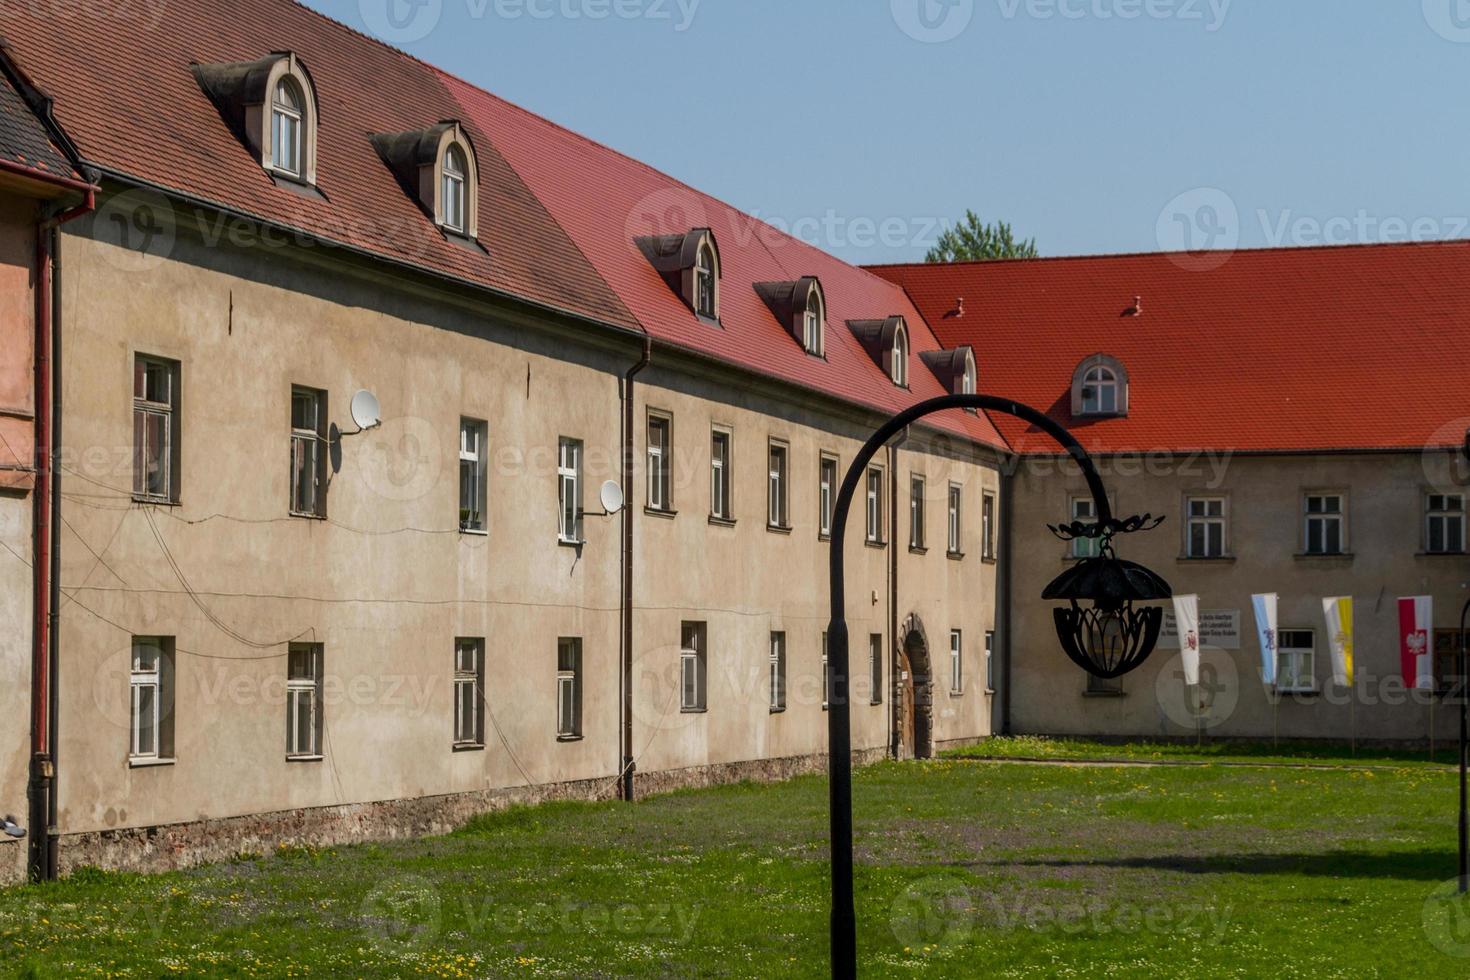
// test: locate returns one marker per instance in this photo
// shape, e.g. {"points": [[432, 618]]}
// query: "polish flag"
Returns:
{"points": [[1416, 647]]}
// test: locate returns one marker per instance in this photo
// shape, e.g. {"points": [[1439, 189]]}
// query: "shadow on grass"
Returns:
{"points": [[1421, 865]]}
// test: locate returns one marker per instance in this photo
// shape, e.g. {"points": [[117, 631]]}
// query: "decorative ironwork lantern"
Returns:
{"points": [[1112, 636]]}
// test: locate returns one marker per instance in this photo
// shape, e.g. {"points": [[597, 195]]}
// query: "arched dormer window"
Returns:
{"points": [[814, 322], [690, 264], [969, 380], [286, 127], [1100, 388], [452, 188], [899, 367], [706, 282]]}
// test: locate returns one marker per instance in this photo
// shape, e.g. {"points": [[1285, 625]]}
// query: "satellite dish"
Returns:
{"points": [[365, 410], [611, 497]]}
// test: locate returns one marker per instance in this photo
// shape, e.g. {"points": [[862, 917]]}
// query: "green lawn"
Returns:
{"points": [[966, 869], [1032, 747]]}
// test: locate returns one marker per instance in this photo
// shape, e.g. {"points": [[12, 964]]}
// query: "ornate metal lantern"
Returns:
{"points": [[1112, 636]]}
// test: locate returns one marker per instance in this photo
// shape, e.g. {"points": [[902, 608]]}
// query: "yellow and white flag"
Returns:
{"points": [[1339, 613]]}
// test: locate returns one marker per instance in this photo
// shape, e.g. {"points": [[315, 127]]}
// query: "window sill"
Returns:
{"points": [[661, 512], [719, 521], [1105, 694], [1213, 560], [779, 528], [1442, 554], [990, 692], [713, 321], [956, 694], [305, 758], [875, 704], [990, 560], [1344, 556], [875, 544], [568, 543], [295, 184], [472, 532], [139, 498], [569, 738], [308, 517], [918, 549], [824, 537], [693, 711], [778, 711], [143, 762], [469, 746], [955, 555]]}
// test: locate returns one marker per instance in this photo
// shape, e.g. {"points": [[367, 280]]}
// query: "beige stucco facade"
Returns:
{"points": [[386, 582], [1264, 543]]}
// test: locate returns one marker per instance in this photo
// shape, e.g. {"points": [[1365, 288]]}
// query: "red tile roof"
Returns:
{"points": [[558, 212], [1361, 347], [25, 140]]}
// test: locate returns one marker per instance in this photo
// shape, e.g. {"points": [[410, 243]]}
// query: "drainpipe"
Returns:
{"points": [[627, 766], [893, 539], [1003, 598], [41, 862]]}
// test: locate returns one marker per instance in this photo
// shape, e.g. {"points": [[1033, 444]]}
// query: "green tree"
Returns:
{"points": [[972, 240]]}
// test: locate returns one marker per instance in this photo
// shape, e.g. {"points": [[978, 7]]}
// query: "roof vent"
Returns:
{"points": [[1136, 309]]}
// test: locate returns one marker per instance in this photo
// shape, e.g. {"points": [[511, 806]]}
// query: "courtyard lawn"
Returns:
{"points": [[1255, 751], [966, 869]]}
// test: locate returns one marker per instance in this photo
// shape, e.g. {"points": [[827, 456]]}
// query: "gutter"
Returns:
{"points": [[41, 862], [627, 766]]}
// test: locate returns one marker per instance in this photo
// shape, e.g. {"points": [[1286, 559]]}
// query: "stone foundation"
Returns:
{"points": [[182, 845]]}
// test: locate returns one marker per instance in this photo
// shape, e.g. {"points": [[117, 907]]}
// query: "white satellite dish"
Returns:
{"points": [[365, 410], [611, 497]]}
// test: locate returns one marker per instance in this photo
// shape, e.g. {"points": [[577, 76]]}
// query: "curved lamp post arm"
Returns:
{"points": [[839, 720]]}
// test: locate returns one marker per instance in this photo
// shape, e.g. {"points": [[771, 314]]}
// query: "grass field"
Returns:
{"points": [[1208, 750], [966, 869]]}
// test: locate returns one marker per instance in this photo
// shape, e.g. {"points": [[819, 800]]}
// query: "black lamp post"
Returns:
{"points": [[1109, 638], [1464, 740]]}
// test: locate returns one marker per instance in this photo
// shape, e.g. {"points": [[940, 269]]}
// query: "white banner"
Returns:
{"points": [[1186, 615], [1265, 608], [1339, 615]]}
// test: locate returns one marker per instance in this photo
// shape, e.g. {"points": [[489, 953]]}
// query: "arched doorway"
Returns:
{"points": [[915, 722]]}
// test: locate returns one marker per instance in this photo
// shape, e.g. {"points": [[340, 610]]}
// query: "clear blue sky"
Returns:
{"points": [[1279, 121]]}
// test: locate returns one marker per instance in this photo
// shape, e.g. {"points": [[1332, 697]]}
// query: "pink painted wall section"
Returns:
{"points": [[17, 342]]}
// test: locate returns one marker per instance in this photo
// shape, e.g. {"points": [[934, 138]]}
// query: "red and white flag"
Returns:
{"points": [[1416, 647]]}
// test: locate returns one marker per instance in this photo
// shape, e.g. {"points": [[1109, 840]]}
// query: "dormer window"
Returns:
{"points": [[814, 323], [968, 379], [801, 309], [437, 168], [690, 265], [899, 366], [1100, 388], [452, 188], [286, 116], [954, 369], [704, 282], [271, 105]]}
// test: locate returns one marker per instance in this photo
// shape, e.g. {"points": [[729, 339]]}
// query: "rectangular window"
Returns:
{"points": [[569, 687], [827, 478], [916, 512], [1444, 524], [875, 667], [719, 475], [1084, 511], [693, 664], [569, 491], [778, 671], [151, 690], [155, 428], [990, 661], [469, 692], [658, 463], [826, 677], [777, 514], [956, 538], [875, 506], [1325, 528], [304, 701], [987, 527], [308, 461], [472, 458], [1206, 527], [1296, 661], [956, 662]]}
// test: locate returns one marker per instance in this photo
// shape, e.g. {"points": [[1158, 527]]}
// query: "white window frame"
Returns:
{"points": [[145, 411], [1323, 521], [778, 491], [307, 455], [873, 483], [304, 686], [917, 491], [660, 444], [900, 366], [455, 202], [990, 661], [569, 687], [148, 739], [956, 662], [1082, 508], [722, 449], [875, 668], [706, 291], [987, 526], [955, 524], [827, 477], [569, 490], [288, 128], [1447, 510], [693, 667], [778, 672], [1100, 391], [473, 452], [1305, 671], [469, 690], [1206, 520]]}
